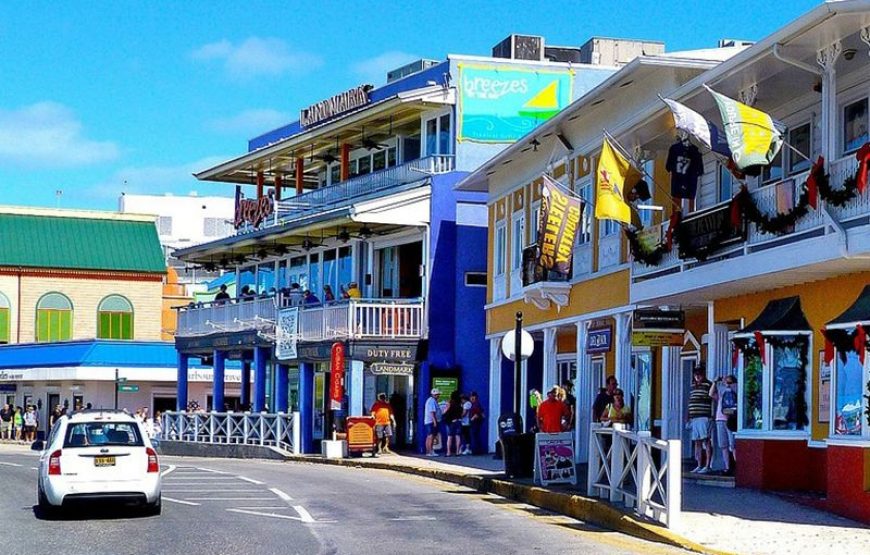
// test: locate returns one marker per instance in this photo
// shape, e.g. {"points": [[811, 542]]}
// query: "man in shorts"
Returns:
{"points": [[700, 411], [384, 422], [431, 420], [6, 415]]}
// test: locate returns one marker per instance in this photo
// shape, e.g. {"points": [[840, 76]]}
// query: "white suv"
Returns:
{"points": [[98, 455]]}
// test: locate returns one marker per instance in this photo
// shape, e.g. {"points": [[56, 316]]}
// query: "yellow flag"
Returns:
{"points": [[613, 171]]}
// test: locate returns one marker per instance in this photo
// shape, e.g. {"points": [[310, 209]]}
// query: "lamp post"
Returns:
{"points": [[517, 346]]}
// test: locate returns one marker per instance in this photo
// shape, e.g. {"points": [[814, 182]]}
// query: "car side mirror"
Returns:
{"points": [[37, 445]]}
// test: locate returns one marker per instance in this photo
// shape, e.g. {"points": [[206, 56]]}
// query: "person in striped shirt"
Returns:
{"points": [[700, 411]]}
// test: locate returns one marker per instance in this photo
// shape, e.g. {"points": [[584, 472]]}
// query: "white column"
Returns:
{"points": [[356, 387], [550, 376], [711, 340], [624, 373], [495, 409], [584, 390], [672, 410], [827, 58]]}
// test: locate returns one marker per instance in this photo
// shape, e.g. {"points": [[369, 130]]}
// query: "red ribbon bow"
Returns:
{"points": [[817, 171], [860, 342]]}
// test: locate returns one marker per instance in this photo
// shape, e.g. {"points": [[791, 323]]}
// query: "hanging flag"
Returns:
{"points": [[558, 221], [816, 172], [693, 123], [614, 171], [753, 136]]}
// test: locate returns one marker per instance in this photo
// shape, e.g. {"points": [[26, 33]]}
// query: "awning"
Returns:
{"points": [[858, 313], [779, 315]]}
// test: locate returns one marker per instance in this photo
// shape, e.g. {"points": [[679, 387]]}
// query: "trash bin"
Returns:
{"points": [[518, 451]]}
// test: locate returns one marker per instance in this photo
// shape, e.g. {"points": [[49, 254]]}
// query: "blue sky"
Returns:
{"points": [[97, 98]]}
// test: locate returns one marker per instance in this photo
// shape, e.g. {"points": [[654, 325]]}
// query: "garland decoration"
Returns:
{"points": [[838, 197], [647, 256], [779, 223]]}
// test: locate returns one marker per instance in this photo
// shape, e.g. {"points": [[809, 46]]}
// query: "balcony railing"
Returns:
{"points": [[341, 194], [346, 319], [770, 199]]}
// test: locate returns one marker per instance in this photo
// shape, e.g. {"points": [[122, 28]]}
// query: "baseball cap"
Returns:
{"points": [[436, 391]]}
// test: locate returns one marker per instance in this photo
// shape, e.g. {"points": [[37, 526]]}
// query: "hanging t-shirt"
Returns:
{"points": [[685, 165]]}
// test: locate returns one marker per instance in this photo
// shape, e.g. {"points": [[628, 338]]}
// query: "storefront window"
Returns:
{"points": [[330, 269], [334, 174], [753, 392], [431, 137], [345, 267], [799, 139], [848, 400], [364, 165], [246, 277], [282, 274], [314, 274], [379, 160], [444, 135], [641, 363], [789, 398], [854, 125], [53, 318], [265, 277], [297, 272]]}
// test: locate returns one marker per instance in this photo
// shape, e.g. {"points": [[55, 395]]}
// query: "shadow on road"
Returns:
{"points": [[96, 512]]}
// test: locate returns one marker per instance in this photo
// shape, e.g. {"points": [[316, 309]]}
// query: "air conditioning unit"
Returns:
{"points": [[520, 47]]}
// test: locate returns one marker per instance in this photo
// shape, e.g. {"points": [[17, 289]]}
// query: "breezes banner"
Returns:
{"points": [[500, 105], [558, 220]]}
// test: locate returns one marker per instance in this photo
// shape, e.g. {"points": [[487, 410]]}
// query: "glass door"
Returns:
{"points": [[319, 405], [641, 362], [389, 272]]}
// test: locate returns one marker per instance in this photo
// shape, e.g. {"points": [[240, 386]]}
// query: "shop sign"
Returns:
{"points": [[446, 386], [701, 234], [338, 104], [657, 338], [391, 369], [315, 352], [360, 434], [287, 330], [384, 353], [253, 211], [655, 319], [336, 382], [8, 387], [599, 340], [554, 459], [8, 376], [230, 376]]}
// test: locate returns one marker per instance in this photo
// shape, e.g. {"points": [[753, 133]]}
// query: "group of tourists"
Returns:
{"points": [[557, 412], [18, 424], [293, 295], [712, 414], [455, 425]]}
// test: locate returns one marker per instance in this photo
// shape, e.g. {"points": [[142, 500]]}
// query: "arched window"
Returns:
{"points": [[53, 318], [115, 318], [4, 319]]}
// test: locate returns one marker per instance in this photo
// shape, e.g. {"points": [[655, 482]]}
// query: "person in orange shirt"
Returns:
{"points": [[384, 422], [553, 413]]}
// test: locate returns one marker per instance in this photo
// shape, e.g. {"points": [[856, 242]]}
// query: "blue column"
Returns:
{"points": [[246, 384], [260, 355], [181, 383], [217, 390], [423, 387], [282, 387], [306, 404]]}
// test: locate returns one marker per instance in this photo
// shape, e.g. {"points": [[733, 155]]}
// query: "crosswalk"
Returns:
{"points": [[194, 486]]}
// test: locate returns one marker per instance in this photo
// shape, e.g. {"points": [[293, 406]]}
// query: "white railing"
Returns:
{"points": [[859, 206], [637, 470], [267, 429], [364, 318], [236, 315], [341, 194]]}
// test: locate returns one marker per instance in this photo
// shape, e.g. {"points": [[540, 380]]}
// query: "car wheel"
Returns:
{"points": [[154, 509], [46, 509]]}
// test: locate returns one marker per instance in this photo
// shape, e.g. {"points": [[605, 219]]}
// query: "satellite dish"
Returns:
{"points": [[527, 345]]}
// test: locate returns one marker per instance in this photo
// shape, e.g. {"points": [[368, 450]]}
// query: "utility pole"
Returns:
{"points": [[518, 362]]}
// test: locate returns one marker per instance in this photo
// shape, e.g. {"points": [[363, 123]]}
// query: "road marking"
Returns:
{"points": [[10, 464], [281, 508], [33, 468], [412, 518], [168, 470], [272, 515], [212, 490], [203, 478], [208, 484], [306, 516], [180, 501], [281, 494], [212, 470], [230, 498], [258, 482]]}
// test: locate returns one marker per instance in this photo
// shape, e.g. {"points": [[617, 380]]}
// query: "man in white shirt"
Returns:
{"points": [[431, 418]]}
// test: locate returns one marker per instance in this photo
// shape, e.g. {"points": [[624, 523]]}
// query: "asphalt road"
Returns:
{"points": [[219, 506]]}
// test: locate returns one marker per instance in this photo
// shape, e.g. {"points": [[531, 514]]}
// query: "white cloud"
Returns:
{"points": [[251, 122], [374, 70], [257, 56], [156, 180], [48, 134]]}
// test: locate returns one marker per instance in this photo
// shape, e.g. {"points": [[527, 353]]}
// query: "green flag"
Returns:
{"points": [[753, 136]]}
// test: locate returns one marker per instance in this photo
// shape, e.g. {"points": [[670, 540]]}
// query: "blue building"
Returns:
{"points": [[358, 196]]}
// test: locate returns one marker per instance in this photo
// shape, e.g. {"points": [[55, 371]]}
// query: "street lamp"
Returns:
{"points": [[517, 346]]}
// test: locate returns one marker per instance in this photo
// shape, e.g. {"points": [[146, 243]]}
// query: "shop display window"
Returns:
{"points": [[850, 379], [854, 125], [753, 392], [788, 390]]}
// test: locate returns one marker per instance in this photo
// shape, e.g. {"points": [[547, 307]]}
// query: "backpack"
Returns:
{"points": [[729, 402]]}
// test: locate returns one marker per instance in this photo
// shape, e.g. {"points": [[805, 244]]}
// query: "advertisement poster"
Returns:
{"points": [[500, 105], [336, 382], [554, 459], [824, 389], [559, 218], [286, 332], [360, 434]]}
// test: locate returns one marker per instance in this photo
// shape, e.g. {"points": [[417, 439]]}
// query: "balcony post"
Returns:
{"points": [[281, 387], [306, 404], [181, 383], [260, 355], [279, 182], [585, 390], [260, 183], [345, 161], [217, 391], [827, 58], [300, 175], [246, 384]]}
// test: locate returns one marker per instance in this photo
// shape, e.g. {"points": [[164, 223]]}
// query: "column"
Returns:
{"points": [[712, 371], [181, 383], [495, 409], [423, 387], [624, 373], [827, 58], [355, 392], [217, 382], [585, 392], [306, 404], [282, 387], [345, 161], [672, 391], [279, 182], [300, 175], [261, 180], [550, 376], [246, 384], [260, 355]]}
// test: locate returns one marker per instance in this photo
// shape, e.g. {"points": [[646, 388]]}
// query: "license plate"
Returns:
{"points": [[104, 461]]}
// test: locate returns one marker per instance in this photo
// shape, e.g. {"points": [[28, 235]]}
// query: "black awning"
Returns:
{"points": [[858, 312], [780, 315]]}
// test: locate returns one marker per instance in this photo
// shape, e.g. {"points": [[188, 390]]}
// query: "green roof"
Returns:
{"points": [[80, 243]]}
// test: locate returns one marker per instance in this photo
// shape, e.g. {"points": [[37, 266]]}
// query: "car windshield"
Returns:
{"points": [[89, 434]]}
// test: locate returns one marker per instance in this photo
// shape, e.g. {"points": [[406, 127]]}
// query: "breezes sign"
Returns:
{"points": [[340, 103]]}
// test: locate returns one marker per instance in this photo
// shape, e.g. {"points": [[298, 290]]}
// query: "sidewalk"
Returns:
{"points": [[715, 520]]}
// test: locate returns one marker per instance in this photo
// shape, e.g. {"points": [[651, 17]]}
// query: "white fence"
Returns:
{"points": [[363, 318], [640, 471], [276, 430], [236, 315]]}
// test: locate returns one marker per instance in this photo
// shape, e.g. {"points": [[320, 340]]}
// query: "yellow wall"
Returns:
{"points": [[821, 302]]}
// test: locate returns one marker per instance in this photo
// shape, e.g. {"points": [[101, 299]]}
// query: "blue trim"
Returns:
{"points": [[217, 385], [260, 357], [90, 352], [282, 383], [306, 405], [181, 385]]}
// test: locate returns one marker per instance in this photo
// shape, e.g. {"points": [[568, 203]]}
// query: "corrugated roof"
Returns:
{"points": [[80, 243]]}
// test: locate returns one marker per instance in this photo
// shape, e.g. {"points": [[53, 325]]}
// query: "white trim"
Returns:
{"points": [[817, 444], [858, 443], [573, 320], [771, 435]]}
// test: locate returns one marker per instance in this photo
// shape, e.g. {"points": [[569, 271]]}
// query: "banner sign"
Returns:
{"points": [[390, 369], [8, 387], [360, 434], [599, 340], [558, 220], [253, 211], [554, 459], [501, 105], [655, 319], [653, 338], [336, 387], [404, 354], [333, 106], [287, 330], [701, 234]]}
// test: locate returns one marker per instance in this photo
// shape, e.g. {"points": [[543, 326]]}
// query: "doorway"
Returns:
{"points": [[399, 271], [400, 394], [163, 404], [687, 366], [319, 408]]}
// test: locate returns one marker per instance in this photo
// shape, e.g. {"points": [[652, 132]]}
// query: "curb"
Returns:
{"points": [[575, 506]]}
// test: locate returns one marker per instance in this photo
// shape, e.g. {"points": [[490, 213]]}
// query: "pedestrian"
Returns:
{"points": [[724, 395], [6, 414], [431, 419], [477, 417], [222, 296], [384, 422], [617, 412], [328, 295], [466, 426], [30, 424], [453, 418], [700, 407], [352, 291], [552, 413], [295, 295], [604, 398], [18, 423], [309, 298], [54, 416], [571, 401]]}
